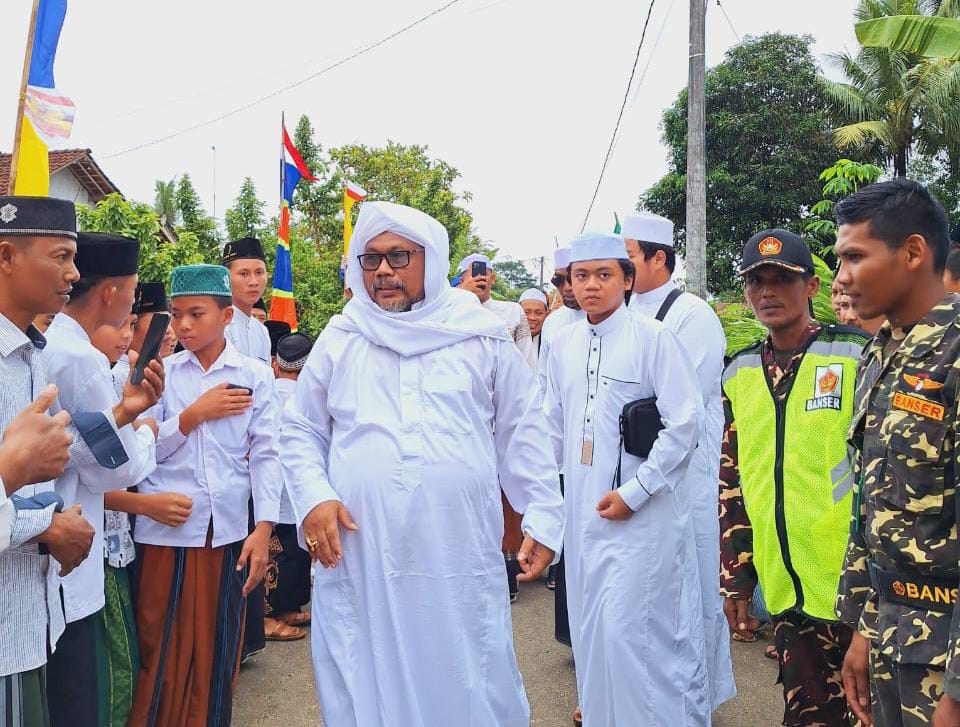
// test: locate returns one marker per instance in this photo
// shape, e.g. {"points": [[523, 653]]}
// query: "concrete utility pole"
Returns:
{"points": [[696, 227]]}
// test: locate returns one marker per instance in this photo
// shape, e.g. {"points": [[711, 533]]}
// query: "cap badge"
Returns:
{"points": [[922, 382], [8, 213], [770, 246]]}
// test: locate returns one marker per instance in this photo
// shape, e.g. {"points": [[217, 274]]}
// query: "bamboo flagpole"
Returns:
{"points": [[22, 100]]}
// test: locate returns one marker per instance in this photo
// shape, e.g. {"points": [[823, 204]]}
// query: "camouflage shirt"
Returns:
{"points": [[905, 507], [738, 578]]}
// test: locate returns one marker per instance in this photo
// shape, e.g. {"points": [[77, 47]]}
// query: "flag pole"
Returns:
{"points": [[21, 101], [283, 159]]}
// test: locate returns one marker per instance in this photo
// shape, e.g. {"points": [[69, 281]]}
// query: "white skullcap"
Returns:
{"points": [[561, 258], [470, 259], [645, 227], [534, 294], [598, 246]]}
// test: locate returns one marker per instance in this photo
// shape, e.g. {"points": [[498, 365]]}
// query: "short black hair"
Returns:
{"points": [[649, 249], [84, 286], [896, 210], [953, 263], [628, 268]]}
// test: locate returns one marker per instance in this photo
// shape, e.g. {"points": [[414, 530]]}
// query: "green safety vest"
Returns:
{"points": [[796, 474]]}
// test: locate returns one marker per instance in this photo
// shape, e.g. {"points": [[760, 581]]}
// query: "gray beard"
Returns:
{"points": [[401, 306]]}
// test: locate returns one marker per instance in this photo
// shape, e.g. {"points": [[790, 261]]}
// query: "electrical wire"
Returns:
{"points": [[729, 22], [623, 106], [288, 87]]}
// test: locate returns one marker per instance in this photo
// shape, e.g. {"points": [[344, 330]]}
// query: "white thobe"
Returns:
{"points": [[701, 335], [516, 321], [413, 626], [633, 592], [84, 383], [249, 336], [555, 322]]}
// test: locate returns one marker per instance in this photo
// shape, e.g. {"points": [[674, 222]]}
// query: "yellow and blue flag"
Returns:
{"points": [[47, 114]]}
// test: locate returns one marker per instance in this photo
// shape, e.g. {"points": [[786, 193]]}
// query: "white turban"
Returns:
{"points": [[561, 258], [646, 227], [445, 316], [534, 294]]}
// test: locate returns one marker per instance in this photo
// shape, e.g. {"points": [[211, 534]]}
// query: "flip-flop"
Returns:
{"points": [[300, 618], [277, 632], [743, 639]]}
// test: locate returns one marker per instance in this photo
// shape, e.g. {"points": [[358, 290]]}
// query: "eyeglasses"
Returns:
{"points": [[395, 259], [559, 280]]}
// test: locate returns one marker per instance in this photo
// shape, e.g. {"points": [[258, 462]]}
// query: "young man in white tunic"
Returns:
{"points": [[649, 241], [559, 318], [409, 407], [633, 592]]}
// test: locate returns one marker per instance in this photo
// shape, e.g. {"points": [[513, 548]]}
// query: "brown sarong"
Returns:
{"points": [[190, 614]]}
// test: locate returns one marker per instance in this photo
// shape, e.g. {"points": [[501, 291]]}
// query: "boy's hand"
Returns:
{"points": [[255, 552], [168, 508], [69, 538], [612, 507], [137, 399], [216, 403]]}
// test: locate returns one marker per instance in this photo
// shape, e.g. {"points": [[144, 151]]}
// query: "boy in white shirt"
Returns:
{"points": [[218, 408]]}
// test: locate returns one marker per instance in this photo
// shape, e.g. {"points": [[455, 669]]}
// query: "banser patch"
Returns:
{"points": [[827, 388], [918, 405]]}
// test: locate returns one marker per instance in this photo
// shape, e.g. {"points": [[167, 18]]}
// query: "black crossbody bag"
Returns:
{"points": [[640, 421]]}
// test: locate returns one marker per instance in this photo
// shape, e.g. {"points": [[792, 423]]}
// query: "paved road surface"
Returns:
{"points": [[276, 687]]}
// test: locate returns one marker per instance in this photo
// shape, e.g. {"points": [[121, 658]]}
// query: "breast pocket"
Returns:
{"points": [[446, 402], [620, 391], [913, 477]]}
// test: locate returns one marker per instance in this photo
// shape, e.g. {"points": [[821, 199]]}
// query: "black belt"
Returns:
{"points": [[930, 594]]}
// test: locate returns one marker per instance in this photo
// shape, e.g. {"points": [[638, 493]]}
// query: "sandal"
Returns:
{"points": [[298, 618], [577, 717], [771, 652], [743, 639], [280, 631]]}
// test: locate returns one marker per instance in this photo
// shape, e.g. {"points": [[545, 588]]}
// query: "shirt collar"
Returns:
{"points": [[229, 357], [612, 322], [69, 325], [928, 331], [655, 295], [12, 338]]}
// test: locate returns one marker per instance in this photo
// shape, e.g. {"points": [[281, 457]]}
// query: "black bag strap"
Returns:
{"points": [[668, 303], [616, 475]]}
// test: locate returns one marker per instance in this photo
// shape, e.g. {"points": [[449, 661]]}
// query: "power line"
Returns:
{"points": [[284, 89], [623, 106], [729, 22]]}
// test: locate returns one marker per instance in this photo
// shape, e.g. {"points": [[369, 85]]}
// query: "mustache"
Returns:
{"points": [[384, 284]]}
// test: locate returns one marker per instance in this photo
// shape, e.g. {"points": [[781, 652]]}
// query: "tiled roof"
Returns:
{"points": [[83, 167]]}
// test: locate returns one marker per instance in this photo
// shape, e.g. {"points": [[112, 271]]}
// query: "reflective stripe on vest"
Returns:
{"points": [[796, 473]]}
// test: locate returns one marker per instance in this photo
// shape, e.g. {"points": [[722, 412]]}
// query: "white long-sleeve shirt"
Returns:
{"points": [[249, 336], [210, 464], [284, 388], [633, 591], [84, 383], [415, 618], [555, 322], [516, 321]]}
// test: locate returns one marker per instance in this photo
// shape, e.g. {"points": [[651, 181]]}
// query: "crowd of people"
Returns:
{"points": [[391, 484]]}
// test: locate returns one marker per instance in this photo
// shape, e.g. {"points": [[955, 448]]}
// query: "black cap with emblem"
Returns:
{"points": [[103, 255], [37, 217], [276, 330], [150, 298], [777, 247], [242, 249], [293, 350], [261, 305]]}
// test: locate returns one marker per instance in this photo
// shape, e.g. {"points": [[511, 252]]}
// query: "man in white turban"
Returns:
{"points": [[535, 307], [410, 405]]}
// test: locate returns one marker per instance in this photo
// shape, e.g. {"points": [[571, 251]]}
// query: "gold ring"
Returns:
{"points": [[311, 543]]}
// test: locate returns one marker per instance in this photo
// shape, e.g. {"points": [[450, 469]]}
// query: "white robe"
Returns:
{"points": [[516, 321], [633, 590], [555, 322], [699, 331], [413, 626]]}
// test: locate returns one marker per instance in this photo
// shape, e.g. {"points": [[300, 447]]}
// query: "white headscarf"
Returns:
{"points": [[444, 317]]}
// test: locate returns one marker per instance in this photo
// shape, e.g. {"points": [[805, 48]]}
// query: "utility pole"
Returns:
{"points": [[541, 270], [214, 150], [696, 227]]}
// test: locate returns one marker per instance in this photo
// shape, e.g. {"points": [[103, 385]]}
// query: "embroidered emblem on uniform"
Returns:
{"points": [[921, 382], [770, 246], [919, 406], [899, 588], [827, 388], [8, 213]]}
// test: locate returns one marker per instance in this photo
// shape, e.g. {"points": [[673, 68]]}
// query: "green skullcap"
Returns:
{"points": [[200, 280]]}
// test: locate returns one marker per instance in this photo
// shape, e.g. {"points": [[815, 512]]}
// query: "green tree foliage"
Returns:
{"points": [[165, 200], [317, 204], [768, 137], [245, 218], [893, 102], [117, 216], [839, 181], [515, 276], [195, 220]]}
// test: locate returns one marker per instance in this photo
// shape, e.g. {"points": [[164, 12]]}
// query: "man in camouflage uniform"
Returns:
{"points": [[900, 579], [785, 477]]}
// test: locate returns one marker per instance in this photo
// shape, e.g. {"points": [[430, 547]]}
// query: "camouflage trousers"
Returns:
{"points": [[811, 654], [903, 695]]}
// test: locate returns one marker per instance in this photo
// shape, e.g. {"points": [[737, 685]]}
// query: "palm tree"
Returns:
{"points": [[165, 200], [892, 101]]}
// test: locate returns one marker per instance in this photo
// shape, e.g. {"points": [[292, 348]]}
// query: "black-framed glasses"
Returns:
{"points": [[559, 280], [371, 261]]}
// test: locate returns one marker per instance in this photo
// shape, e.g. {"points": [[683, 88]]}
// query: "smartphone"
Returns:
{"points": [[151, 346], [478, 269], [245, 388]]}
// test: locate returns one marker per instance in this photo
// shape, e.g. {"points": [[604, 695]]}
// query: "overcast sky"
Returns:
{"points": [[519, 95]]}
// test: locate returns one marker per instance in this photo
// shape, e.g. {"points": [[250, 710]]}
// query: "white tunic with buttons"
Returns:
{"points": [[413, 626], [632, 586], [699, 332], [249, 336]]}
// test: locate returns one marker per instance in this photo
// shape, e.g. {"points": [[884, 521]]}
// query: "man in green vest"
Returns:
{"points": [[900, 579], [786, 476]]}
